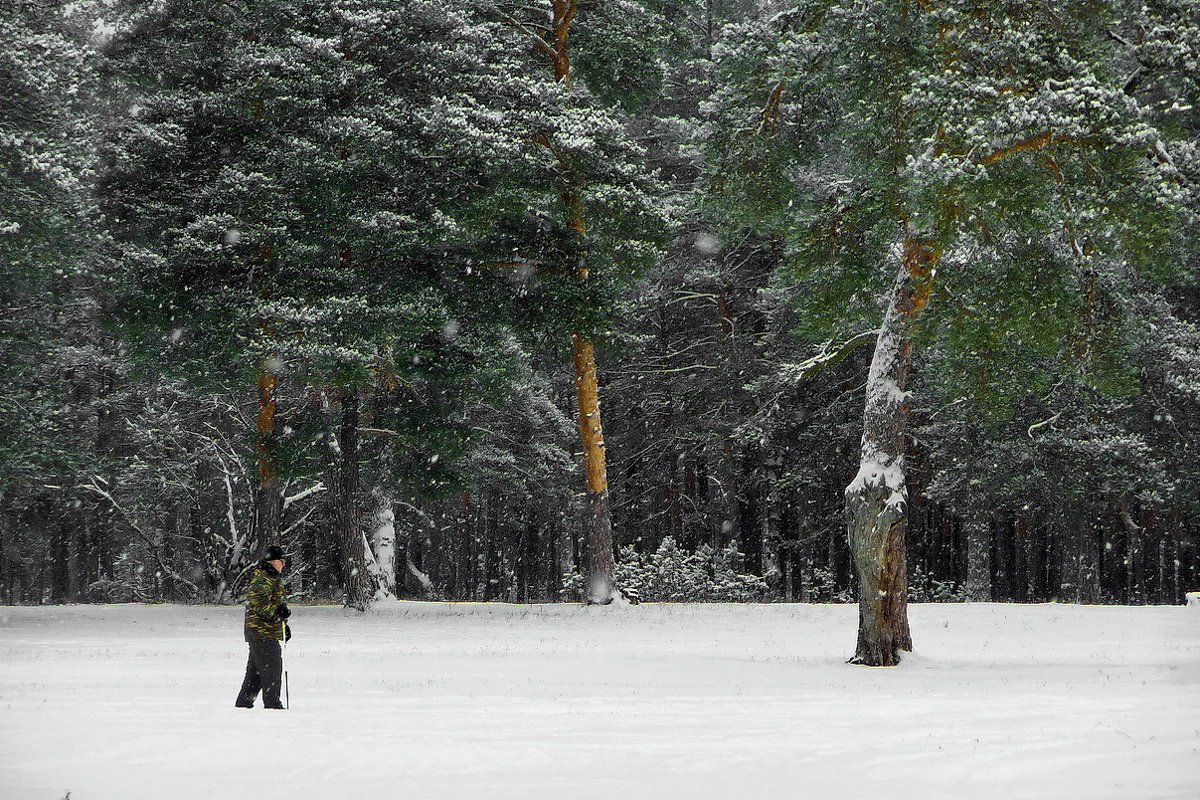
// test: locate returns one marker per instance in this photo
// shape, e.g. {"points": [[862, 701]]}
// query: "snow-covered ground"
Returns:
{"points": [[433, 701]]}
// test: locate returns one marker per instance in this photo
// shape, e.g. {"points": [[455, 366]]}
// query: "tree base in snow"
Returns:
{"points": [[877, 530], [891, 659]]}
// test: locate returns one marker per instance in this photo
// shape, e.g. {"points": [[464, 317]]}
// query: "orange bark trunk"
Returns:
{"points": [[270, 498], [601, 566]]}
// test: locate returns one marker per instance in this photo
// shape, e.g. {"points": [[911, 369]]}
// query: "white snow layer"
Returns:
{"points": [[656, 701]]}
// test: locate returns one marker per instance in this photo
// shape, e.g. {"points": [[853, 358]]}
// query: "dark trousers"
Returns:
{"points": [[264, 670]]}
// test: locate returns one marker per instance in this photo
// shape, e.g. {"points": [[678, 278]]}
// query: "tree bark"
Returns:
{"points": [[772, 535], [601, 564], [343, 484], [877, 498], [383, 543], [979, 558], [269, 503], [601, 584]]}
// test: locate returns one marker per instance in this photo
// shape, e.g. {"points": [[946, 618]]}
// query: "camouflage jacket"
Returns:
{"points": [[263, 597]]}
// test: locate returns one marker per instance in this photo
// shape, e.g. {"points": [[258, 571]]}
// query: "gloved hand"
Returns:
{"points": [[287, 633], [283, 612]]}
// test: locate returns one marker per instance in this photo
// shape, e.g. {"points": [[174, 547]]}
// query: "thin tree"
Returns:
{"points": [[601, 586], [611, 218]]}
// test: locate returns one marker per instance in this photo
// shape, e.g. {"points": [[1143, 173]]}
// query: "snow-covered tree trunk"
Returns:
{"points": [[383, 544], [228, 552], [877, 499], [979, 558]]}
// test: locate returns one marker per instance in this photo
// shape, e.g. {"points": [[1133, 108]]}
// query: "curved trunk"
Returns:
{"points": [[877, 499]]}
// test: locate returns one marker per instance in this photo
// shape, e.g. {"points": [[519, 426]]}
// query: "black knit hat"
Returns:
{"points": [[274, 553]]}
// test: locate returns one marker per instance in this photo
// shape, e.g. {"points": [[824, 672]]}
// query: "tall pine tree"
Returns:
{"points": [[914, 153]]}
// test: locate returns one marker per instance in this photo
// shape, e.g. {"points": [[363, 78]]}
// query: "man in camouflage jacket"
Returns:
{"points": [[266, 627]]}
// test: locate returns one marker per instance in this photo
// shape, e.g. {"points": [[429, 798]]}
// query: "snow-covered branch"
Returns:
{"points": [[829, 354]]}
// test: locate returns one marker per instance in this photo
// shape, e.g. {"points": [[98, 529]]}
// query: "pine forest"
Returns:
{"points": [[828, 301]]}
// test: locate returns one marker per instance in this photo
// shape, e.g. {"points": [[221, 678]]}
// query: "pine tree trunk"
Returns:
{"points": [[7, 571], [74, 577], [1025, 581], [1080, 557], [804, 553], [877, 498], [463, 545], [269, 503], [383, 543], [1089, 577], [492, 588], [601, 565], [563, 554], [772, 536], [1069, 561], [343, 485], [749, 529], [601, 568], [1135, 559], [979, 558]]}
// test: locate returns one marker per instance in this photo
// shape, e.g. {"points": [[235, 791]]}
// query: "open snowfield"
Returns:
{"points": [[658, 701]]}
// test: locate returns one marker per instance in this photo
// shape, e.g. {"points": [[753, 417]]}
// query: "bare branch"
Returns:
{"points": [[538, 41], [1037, 425], [155, 547], [316, 487], [1043, 139]]}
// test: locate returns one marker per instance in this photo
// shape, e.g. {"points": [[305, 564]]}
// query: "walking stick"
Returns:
{"points": [[287, 698]]}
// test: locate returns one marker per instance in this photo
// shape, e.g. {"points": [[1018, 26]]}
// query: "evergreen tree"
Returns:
{"points": [[56, 363], [323, 194], [940, 143], [605, 215]]}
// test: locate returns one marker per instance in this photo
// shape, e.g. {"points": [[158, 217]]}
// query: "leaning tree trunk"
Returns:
{"points": [[877, 499], [343, 484]]}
